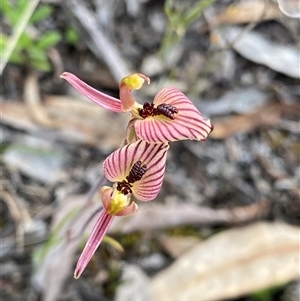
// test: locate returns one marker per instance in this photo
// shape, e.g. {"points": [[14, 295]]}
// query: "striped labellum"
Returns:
{"points": [[171, 117], [138, 168]]}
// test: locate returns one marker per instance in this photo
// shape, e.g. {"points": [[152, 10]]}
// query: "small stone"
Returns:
{"points": [[152, 65]]}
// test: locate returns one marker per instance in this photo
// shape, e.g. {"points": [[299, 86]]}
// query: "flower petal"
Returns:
{"points": [[135, 81], [93, 242], [129, 83], [119, 164], [107, 195], [103, 100], [128, 210], [187, 124]]}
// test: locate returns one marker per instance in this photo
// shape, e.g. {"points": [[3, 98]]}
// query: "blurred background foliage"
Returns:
{"points": [[229, 207]]}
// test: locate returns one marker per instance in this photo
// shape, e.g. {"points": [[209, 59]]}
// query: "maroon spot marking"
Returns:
{"points": [[124, 187], [147, 110], [136, 173], [162, 109]]}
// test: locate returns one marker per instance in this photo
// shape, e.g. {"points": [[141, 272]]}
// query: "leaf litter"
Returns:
{"points": [[246, 171], [232, 263]]}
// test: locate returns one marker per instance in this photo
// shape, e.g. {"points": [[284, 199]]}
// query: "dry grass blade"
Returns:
{"points": [[18, 30], [33, 101], [266, 116], [100, 45], [74, 121], [19, 213], [54, 261]]}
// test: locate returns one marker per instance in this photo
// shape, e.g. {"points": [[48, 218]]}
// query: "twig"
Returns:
{"points": [[18, 30], [167, 216], [88, 199], [248, 28], [68, 235], [229, 44], [33, 102], [97, 41], [289, 125], [19, 214]]}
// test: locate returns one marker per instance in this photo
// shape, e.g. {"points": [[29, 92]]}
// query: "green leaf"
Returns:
{"points": [[5, 6], [55, 237], [37, 53], [38, 59], [25, 42], [196, 11], [180, 15], [10, 12], [22, 5], [42, 12], [3, 41], [48, 40], [266, 294], [72, 36], [16, 56], [41, 65]]}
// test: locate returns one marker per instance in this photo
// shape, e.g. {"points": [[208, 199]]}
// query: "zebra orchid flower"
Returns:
{"points": [[136, 169], [171, 116]]}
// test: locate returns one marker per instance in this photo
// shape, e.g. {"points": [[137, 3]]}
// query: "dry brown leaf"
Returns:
{"points": [[270, 169], [231, 264], [248, 11], [176, 246], [75, 121], [185, 214], [88, 122], [266, 116], [15, 115], [19, 214]]}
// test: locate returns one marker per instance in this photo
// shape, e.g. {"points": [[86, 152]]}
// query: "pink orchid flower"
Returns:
{"points": [[136, 169], [171, 116]]}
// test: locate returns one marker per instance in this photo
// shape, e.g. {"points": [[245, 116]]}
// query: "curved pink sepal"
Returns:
{"points": [[188, 122], [119, 164], [97, 234], [103, 100]]}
